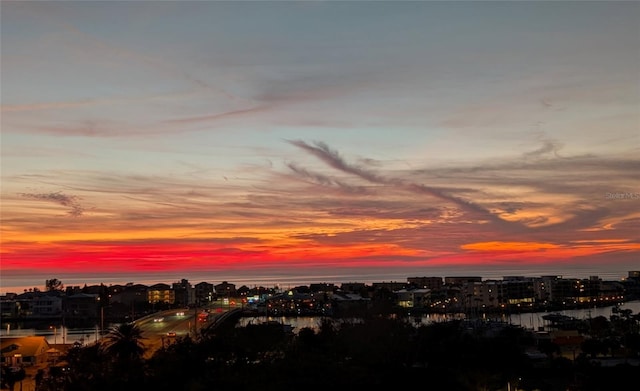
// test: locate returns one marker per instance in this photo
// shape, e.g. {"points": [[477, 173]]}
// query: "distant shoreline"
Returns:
{"points": [[289, 282]]}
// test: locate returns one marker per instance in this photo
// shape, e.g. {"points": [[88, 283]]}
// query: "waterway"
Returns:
{"points": [[59, 335], [532, 320]]}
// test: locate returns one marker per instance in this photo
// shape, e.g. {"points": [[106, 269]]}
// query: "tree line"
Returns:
{"points": [[378, 351]]}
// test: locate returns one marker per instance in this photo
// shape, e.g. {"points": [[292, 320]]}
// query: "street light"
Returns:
{"points": [[55, 334]]}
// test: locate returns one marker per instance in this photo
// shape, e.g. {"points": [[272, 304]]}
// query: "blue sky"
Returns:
{"points": [[324, 135]]}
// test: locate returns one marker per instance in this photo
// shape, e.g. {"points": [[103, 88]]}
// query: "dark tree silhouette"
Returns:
{"points": [[124, 342], [593, 347], [124, 346], [549, 348], [89, 368], [11, 376], [53, 285]]}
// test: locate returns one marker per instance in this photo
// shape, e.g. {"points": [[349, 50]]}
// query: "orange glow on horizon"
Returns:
{"points": [[93, 257], [201, 255], [508, 246]]}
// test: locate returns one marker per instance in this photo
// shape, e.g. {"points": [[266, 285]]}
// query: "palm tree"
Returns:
{"points": [[124, 346], [124, 342]]}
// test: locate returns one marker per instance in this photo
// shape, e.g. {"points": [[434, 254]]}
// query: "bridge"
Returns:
{"points": [[164, 327], [226, 318]]}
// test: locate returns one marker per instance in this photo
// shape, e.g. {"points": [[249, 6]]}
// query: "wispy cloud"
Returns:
{"points": [[548, 146], [334, 160], [70, 201], [218, 116], [47, 106], [325, 180], [331, 157]]}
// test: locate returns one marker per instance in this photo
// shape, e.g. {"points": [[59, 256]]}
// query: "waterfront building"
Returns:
{"points": [[322, 288], [353, 287], [517, 291], [45, 306], [457, 293], [390, 286], [432, 283], [204, 293], [417, 298], [81, 305], [225, 289], [542, 288], [184, 293], [161, 293], [128, 295], [459, 281], [347, 304], [477, 295]]}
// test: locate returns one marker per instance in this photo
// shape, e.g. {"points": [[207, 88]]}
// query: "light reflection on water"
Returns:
{"points": [[534, 320], [61, 335], [531, 320], [314, 322], [528, 320]]}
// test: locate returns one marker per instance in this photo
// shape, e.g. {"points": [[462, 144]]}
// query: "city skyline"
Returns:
{"points": [[308, 141], [63, 287]]}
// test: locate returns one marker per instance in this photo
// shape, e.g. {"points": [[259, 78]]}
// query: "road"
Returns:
{"points": [[182, 322]]}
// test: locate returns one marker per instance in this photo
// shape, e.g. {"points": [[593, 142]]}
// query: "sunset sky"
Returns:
{"points": [[298, 142]]}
